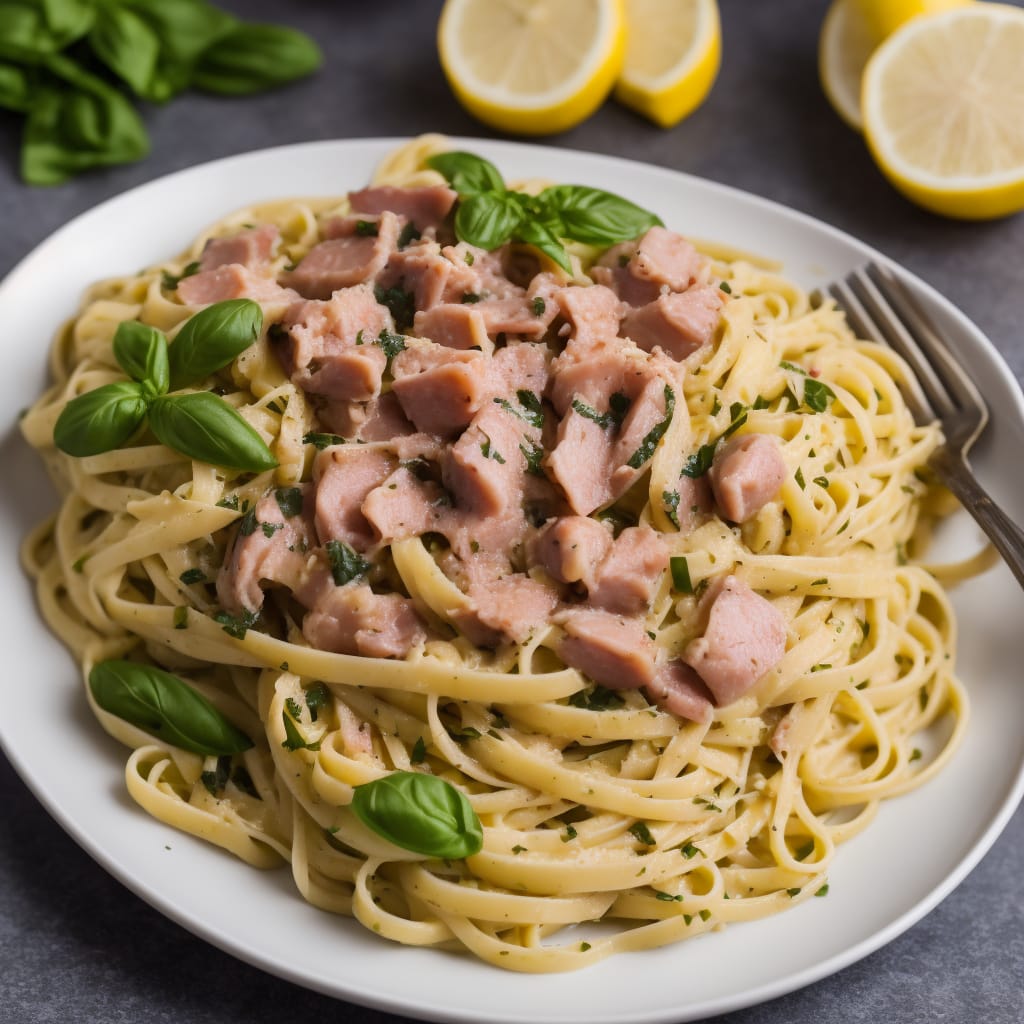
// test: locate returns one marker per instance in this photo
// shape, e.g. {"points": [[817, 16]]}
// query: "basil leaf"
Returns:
{"points": [[467, 173], [680, 569], [69, 130], [204, 427], [817, 394], [127, 45], [251, 58], [421, 813], [596, 217], [33, 30], [213, 338], [100, 420], [487, 219], [185, 28], [541, 237], [15, 88], [142, 352], [161, 704]]}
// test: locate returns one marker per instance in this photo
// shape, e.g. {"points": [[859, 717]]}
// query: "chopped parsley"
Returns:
{"points": [[680, 569], [248, 523], [600, 698], [534, 410], [655, 434], [289, 500], [603, 419], [533, 453], [468, 298], [216, 780], [671, 500], [724, 285], [230, 502], [171, 281], [641, 833], [390, 343], [408, 234], [190, 576], [738, 416], [293, 708], [570, 834], [180, 617], [400, 303], [419, 752], [667, 897], [236, 626], [538, 305], [317, 697], [700, 462], [367, 228], [689, 851], [798, 476], [346, 563], [490, 452], [293, 739], [269, 529], [242, 781]]}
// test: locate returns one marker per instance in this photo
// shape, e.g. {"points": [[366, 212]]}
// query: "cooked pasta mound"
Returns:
{"points": [[618, 544]]}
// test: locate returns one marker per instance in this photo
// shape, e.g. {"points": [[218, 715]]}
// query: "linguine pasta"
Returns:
{"points": [[596, 805]]}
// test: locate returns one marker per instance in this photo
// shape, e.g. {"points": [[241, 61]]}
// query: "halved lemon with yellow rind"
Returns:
{"points": [[943, 106], [531, 67], [673, 52], [883, 17], [844, 48]]}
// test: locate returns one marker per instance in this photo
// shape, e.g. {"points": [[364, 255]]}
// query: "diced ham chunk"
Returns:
{"points": [[609, 649], [570, 549], [678, 323], [440, 389], [593, 312], [484, 467], [354, 620], [379, 419], [405, 506], [251, 248], [425, 207], [347, 259], [268, 547], [328, 347], [746, 474], [454, 325], [503, 606], [344, 475], [745, 638], [679, 690], [694, 502], [356, 737], [232, 281], [628, 577], [666, 258]]}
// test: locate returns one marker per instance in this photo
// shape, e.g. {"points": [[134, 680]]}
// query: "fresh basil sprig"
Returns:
{"points": [[200, 425], [488, 214], [421, 813], [161, 704]]}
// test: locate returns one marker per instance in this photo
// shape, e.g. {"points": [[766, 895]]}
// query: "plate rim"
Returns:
{"points": [[396, 1003]]}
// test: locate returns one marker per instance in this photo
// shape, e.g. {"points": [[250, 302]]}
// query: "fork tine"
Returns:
{"points": [[902, 341], [955, 378], [864, 326]]}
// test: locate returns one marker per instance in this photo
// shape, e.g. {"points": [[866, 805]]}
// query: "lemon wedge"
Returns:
{"points": [[673, 50], [883, 17], [531, 67], [844, 46], [942, 110]]}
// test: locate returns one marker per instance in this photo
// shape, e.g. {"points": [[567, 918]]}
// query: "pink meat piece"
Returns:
{"points": [[679, 690], [379, 419], [277, 554], [503, 605], [423, 272], [346, 259], [454, 325], [570, 549], [484, 468], [252, 248], [666, 258], [356, 737], [782, 733], [609, 649], [404, 506], [679, 323], [344, 475], [354, 620], [628, 577], [519, 367], [593, 312], [745, 638], [328, 347], [694, 503], [613, 270], [580, 463], [440, 389], [425, 207], [746, 474], [232, 281], [479, 272]]}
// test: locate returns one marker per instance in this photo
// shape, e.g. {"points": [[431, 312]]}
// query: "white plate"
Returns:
{"points": [[920, 847]]}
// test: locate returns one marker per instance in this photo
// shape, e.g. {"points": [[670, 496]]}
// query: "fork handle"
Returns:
{"points": [[1006, 536]]}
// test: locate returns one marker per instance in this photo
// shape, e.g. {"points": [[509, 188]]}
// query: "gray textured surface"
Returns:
{"points": [[74, 944]]}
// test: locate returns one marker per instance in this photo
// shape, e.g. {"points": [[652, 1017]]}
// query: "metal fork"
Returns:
{"points": [[880, 308]]}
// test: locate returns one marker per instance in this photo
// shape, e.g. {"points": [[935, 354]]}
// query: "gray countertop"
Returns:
{"points": [[77, 946]]}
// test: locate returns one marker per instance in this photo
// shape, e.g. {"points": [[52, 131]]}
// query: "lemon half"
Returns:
{"points": [[943, 106], [673, 51], [531, 67]]}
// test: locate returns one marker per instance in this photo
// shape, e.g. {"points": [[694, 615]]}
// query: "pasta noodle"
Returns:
{"points": [[613, 811]]}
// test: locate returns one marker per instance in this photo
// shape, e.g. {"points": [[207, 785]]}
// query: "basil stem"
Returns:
{"points": [[141, 351], [213, 338], [204, 427], [421, 813], [100, 420], [163, 705]]}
